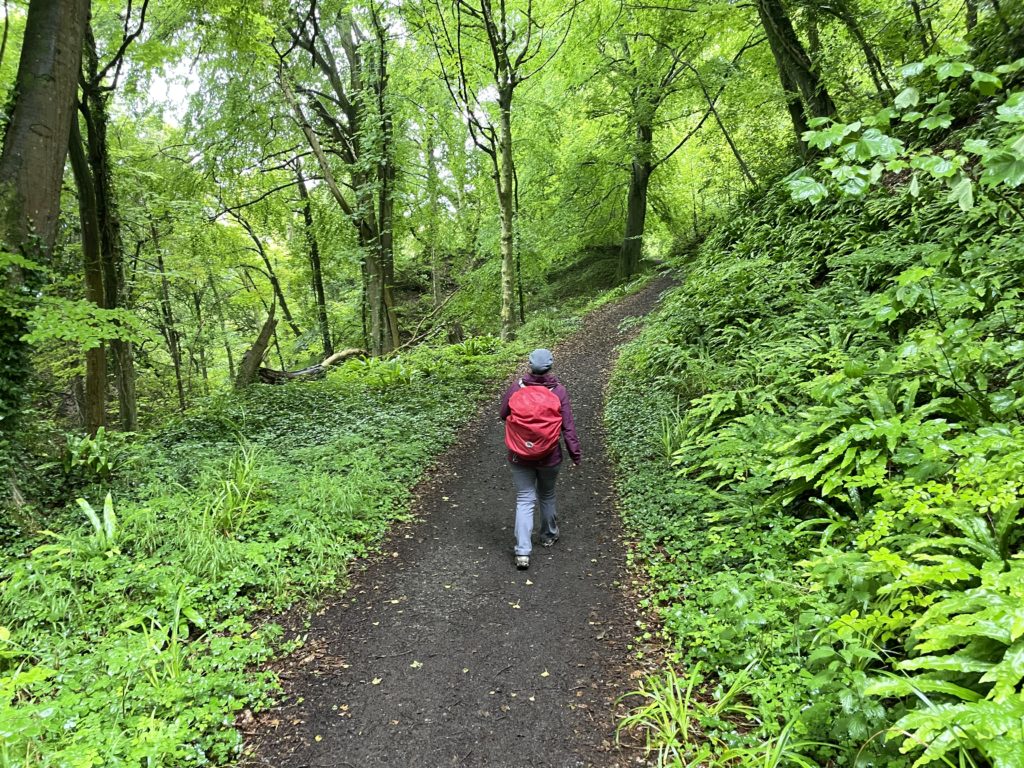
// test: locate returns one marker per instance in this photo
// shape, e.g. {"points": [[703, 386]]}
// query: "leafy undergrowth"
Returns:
{"points": [[130, 637], [821, 454]]}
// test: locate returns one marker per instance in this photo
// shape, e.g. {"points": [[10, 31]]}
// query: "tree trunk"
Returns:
{"points": [[506, 203], [636, 203], [223, 327], [170, 331], [921, 26], [358, 122], [94, 109], [95, 410], [35, 145], [200, 340], [386, 336], [438, 266], [796, 110], [972, 14], [253, 357], [314, 263], [842, 11], [813, 34], [386, 255], [7, 27], [519, 252], [796, 70], [275, 284]]}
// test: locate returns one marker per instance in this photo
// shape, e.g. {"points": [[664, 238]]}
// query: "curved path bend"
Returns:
{"points": [[443, 654]]}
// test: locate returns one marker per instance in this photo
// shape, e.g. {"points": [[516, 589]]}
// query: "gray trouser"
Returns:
{"points": [[533, 484]]}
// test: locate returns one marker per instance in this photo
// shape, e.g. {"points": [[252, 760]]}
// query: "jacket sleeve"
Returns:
{"points": [[572, 442], [504, 411]]}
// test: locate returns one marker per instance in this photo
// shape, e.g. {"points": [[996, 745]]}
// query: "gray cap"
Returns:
{"points": [[541, 361]]}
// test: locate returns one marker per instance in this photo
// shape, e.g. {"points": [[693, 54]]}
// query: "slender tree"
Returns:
{"points": [[516, 46], [350, 105], [92, 268], [99, 81], [649, 68], [315, 267]]}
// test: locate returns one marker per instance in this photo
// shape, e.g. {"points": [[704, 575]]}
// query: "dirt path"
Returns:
{"points": [[442, 654]]}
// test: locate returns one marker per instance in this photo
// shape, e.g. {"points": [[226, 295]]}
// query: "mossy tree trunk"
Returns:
{"points": [[35, 146]]}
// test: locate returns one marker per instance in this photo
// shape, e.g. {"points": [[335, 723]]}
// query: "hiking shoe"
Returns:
{"points": [[548, 541], [522, 562]]}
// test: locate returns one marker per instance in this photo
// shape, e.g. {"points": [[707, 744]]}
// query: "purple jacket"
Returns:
{"points": [[572, 442]]}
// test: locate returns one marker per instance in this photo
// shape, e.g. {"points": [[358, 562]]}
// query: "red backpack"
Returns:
{"points": [[535, 423]]}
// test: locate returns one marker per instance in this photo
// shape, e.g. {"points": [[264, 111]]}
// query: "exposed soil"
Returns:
{"points": [[442, 653]]}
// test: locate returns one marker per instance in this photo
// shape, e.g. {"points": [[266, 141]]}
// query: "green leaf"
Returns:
{"points": [[953, 662], [985, 83], [936, 166], [1012, 110], [1004, 753], [951, 69], [962, 193], [90, 513], [976, 146], [806, 188], [1008, 69], [855, 187], [882, 117], [1004, 169], [937, 122], [908, 97], [912, 70], [1008, 672], [873, 143], [894, 686]]}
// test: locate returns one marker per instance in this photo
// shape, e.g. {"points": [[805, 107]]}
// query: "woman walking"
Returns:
{"points": [[537, 418]]}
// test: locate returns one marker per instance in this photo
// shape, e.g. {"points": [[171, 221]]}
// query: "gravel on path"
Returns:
{"points": [[443, 654]]}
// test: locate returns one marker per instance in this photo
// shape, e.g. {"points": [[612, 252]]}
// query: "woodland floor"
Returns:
{"points": [[441, 653]]}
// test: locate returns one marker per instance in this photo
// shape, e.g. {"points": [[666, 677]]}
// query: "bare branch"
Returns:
{"points": [[128, 39]]}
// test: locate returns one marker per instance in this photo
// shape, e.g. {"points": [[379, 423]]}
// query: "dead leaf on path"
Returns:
{"points": [[376, 681], [545, 673], [416, 664]]}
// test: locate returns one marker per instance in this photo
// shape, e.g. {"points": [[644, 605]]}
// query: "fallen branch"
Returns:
{"points": [[272, 376]]}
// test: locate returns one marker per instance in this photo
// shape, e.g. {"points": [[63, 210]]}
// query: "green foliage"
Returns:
{"points": [[125, 638], [93, 459], [688, 730], [820, 454], [862, 154]]}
